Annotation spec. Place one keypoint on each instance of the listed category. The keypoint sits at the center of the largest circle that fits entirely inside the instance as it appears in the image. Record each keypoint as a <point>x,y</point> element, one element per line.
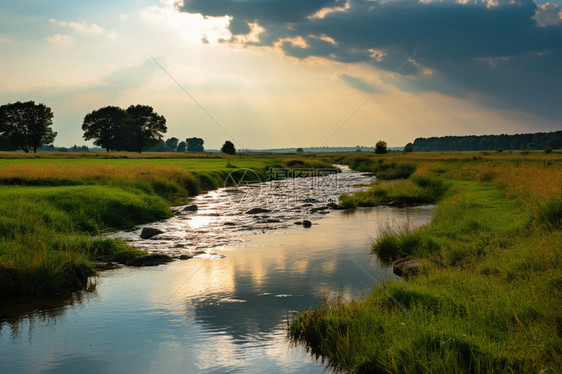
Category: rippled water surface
<point>224,310</point>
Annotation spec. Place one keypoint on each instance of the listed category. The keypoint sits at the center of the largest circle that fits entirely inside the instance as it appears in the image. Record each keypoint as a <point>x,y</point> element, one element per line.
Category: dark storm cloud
<point>496,50</point>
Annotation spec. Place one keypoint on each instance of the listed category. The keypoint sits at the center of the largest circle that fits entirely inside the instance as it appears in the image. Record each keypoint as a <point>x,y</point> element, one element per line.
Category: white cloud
<point>4,40</point>
<point>81,27</point>
<point>548,14</point>
<point>60,39</point>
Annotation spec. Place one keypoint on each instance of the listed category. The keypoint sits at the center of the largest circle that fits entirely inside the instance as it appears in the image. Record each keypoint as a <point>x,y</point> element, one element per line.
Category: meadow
<point>55,210</point>
<point>488,296</point>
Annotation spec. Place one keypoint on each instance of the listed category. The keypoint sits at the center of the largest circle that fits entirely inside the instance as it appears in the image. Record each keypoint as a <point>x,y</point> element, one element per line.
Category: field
<point>55,210</point>
<point>488,296</point>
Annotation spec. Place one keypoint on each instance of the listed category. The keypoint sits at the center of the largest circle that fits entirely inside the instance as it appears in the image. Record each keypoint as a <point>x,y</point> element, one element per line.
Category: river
<point>226,308</point>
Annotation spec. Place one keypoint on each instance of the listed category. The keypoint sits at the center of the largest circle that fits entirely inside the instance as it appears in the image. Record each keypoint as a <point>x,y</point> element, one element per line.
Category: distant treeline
<point>540,140</point>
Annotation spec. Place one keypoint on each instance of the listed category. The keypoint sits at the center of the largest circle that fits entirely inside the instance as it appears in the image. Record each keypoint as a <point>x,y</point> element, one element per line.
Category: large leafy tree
<point>195,145</point>
<point>171,144</point>
<point>228,148</point>
<point>116,129</point>
<point>26,125</point>
<point>106,127</point>
<point>144,127</point>
<point>181,147</point>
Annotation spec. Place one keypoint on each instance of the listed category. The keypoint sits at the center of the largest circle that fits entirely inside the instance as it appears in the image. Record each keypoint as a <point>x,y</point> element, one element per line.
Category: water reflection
<point>212,315</point>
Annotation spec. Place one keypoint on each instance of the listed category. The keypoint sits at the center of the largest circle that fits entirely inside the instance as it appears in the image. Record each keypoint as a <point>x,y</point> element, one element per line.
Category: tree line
<point>535,141</point>
<point>27,126</point>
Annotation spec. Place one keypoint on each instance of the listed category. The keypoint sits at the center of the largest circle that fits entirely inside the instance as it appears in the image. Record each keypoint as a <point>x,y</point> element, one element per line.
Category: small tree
<point>300,150</point>
<point>228,148</point>
<point>195,145</point>
<point>26,125</point>
<point>181,147</point>
<point>548,149</point>
<point>171,144</point>
<point>380,147</point>
<point>409,147</point>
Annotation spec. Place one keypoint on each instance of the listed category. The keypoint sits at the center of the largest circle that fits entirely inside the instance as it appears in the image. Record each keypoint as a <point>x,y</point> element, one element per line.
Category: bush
<point>549,212</point>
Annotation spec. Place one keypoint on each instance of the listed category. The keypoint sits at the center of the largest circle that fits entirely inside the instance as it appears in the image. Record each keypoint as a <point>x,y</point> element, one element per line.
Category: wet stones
<point>149,232</point>
<point>150,260</point>
<point>258,210</point>
<point>191,208</point>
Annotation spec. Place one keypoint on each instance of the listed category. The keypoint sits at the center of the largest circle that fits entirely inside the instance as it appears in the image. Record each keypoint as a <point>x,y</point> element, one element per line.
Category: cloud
<point>548,14</point>
<point>358,83</point>
<point>81,27</point>
<point>505,52</point>
<point>59,39</point>
<point>4,40</point>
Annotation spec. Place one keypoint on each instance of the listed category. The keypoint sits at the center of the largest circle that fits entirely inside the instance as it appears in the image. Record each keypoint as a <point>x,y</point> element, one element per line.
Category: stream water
<point>225,309</point>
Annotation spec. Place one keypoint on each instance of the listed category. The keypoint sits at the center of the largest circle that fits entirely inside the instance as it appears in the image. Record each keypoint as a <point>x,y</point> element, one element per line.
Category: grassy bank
<point>488,295</point>
<point>53,211</point>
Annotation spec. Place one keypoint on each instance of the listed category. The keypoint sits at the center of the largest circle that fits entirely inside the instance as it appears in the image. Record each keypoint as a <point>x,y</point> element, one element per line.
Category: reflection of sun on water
<point>198,221</point>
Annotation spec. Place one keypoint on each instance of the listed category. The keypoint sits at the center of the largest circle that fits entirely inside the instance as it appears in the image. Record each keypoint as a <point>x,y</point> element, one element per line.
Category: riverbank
<point>54,210</point>
<point>487,296</point>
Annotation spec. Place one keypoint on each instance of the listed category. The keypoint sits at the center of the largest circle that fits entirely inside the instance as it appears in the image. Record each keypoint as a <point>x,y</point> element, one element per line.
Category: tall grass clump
<point>417,190</point>
<point>549,212</point>
<point>489,295</point>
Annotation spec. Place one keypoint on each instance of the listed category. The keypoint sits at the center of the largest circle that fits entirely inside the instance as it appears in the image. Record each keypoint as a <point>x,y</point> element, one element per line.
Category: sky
<point>292,73</point>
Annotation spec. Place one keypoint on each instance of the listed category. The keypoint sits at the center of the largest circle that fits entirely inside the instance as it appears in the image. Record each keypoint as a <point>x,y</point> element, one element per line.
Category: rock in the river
<point>190,208</point>
<point>149,232</point>
<point>150,260</point>
<point>258,210</point>
<point>306,223</point>
<point>318,209</point>
<point>334,206</point>
<point>184,257</point>
<point>405,267</point>
<point>229,224</point>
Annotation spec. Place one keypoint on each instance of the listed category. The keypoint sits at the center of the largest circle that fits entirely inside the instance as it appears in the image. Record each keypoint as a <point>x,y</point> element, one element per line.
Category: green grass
<point>417,190</point>
<point>54,210</point>
<point>487,299</point>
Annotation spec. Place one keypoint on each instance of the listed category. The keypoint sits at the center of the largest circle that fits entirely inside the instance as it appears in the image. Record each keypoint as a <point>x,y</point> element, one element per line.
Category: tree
<point>106,127</point>
<point>380,147</point>
<point>195,145</point>
<point>300,150</point>
<point>115,129</point>
<point>158,147</point>
<point>143,127</point>
<point>6,144</point>
<point>26,125</point>
<point>181,147</point>
<point>409,147</point>
<point>228,148</point>
<point>171,144</point>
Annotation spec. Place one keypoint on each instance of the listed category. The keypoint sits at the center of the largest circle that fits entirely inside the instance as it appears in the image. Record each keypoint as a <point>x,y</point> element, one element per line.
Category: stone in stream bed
<point>151,259</point>
<point>191,208</point>
<point>149,232</point>
<point>334,206</point>
<point>258,210</point>
<point>405,267</point>
<point>306,224</point>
